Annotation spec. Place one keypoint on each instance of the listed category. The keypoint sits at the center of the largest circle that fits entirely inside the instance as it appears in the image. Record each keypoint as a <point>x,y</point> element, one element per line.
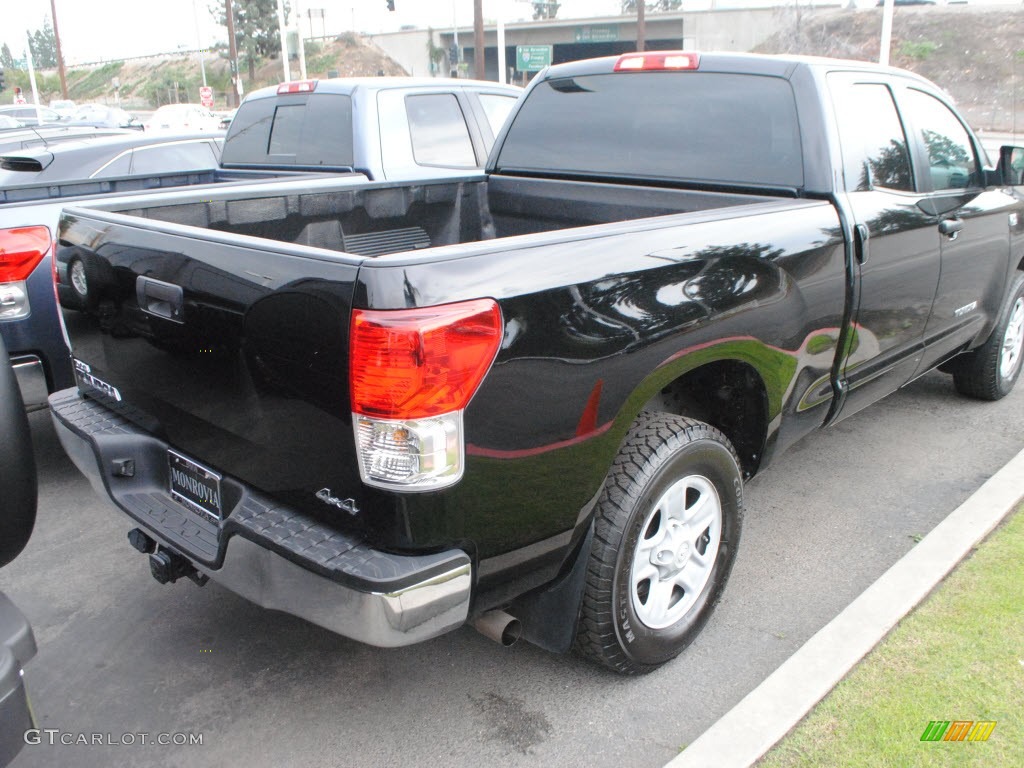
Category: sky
<point>95,30</point>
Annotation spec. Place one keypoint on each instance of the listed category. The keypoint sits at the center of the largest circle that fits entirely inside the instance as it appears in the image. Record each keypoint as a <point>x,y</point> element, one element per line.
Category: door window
<point>951,160</point>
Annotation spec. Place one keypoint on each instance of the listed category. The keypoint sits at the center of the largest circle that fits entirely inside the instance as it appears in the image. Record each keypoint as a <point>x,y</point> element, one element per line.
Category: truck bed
<point>379,219</point>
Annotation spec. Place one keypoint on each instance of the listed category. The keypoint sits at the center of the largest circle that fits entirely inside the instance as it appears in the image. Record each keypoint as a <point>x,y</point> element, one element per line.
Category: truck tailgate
<point>226,350</point>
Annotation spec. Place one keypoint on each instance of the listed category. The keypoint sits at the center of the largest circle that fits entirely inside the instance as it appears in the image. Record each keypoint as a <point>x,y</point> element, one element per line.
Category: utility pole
<point>478,40</point>
<point>641,24</point>
<point>60,56</point>
<point>236,76</point>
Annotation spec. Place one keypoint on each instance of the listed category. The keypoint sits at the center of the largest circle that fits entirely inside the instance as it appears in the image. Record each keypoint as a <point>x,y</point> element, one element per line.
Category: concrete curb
<point>771,710</point>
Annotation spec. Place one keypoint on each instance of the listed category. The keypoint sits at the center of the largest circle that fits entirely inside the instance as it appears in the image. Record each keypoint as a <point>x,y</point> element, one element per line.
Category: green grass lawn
<point>958,656</point>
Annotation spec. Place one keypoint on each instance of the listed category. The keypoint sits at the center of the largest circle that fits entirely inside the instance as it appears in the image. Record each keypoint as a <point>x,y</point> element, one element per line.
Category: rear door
<point>897,252</point>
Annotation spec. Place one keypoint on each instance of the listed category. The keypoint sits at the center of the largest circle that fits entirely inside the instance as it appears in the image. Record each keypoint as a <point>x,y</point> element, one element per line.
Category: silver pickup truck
<point>384,129</point>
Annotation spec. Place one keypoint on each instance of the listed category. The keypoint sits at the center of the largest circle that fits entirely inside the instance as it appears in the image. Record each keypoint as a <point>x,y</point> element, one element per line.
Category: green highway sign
<point>532,58</point>
<point>596,33</point>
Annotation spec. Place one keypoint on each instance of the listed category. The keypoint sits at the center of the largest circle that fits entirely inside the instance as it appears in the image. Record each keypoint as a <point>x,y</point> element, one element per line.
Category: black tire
<point>990,371</point>
<point>662,453</point>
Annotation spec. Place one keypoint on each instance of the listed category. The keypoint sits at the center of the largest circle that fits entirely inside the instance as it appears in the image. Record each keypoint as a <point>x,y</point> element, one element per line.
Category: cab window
<point>439,132</point>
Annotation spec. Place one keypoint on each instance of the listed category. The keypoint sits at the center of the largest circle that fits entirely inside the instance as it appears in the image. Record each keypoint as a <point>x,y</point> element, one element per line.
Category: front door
<point>897,265</point>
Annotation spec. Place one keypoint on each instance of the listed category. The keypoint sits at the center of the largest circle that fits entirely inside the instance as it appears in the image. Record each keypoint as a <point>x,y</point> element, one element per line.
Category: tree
<point>43,44</point>
<point>6,59</point>
<point>544,10</point>
<point>256,28</point>
<point>629,6</point>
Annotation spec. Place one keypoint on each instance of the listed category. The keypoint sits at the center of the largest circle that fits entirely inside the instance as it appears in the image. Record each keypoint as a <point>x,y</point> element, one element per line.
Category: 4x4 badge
<point>349,505</point>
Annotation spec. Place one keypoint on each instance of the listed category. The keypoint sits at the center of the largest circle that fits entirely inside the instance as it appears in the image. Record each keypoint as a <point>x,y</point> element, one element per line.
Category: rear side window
<point>303,130</point>
<point>873,143</point>
<point>693,126</point>
<point>439,132</point>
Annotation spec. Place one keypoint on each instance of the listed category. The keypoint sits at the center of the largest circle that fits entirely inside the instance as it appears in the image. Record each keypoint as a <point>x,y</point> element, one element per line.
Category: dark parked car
<point>102,116</point>
<point>125,154</point>
<point>21,137</point>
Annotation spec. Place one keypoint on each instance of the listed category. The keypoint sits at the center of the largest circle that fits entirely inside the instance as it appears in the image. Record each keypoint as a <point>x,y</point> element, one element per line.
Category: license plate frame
<point>194,486</point>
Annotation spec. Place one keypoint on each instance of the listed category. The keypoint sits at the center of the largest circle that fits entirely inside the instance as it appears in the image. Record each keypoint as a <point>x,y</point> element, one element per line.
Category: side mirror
<point>1011,166</point>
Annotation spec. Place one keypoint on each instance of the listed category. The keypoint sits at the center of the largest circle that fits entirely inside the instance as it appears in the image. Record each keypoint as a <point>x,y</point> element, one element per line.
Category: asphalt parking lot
<point>120,655</point>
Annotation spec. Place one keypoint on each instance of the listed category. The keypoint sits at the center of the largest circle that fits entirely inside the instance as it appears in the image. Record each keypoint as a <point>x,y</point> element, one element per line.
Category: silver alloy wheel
<point>676,552</point>
<point>78,281</point>
<point>1013,341</point>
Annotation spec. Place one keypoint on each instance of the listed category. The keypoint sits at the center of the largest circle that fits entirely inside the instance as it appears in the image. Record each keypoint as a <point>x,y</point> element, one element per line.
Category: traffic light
<point>391,5</point>
<point>1,79</point>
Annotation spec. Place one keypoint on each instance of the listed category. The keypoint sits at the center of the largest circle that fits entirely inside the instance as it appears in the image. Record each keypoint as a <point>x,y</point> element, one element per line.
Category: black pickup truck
<point>531,401</point>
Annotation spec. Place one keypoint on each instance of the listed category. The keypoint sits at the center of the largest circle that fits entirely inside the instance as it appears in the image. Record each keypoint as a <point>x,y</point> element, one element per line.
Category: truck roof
<point>781,65</point>
<point>348,85</point>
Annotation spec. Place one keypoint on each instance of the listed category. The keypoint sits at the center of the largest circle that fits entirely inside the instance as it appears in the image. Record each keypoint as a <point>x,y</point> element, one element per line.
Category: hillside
<point>148,82</point>
<point>977,54</point>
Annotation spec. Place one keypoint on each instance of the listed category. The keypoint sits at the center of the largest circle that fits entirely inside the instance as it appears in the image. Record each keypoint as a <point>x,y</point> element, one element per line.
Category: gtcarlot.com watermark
<point>55,736</point>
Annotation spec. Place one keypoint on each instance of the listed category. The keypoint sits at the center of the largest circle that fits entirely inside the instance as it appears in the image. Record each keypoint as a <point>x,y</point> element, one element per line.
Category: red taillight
<point>298,86</point>
<point>21,250</point>
<point>416,363</point>
<point>657,60</point>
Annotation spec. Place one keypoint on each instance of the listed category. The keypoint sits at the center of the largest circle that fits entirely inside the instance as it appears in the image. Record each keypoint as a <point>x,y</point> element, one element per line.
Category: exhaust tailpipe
<point>499,627</point>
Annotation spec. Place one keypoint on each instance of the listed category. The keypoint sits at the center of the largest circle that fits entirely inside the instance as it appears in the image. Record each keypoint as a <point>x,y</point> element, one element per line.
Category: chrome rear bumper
<point>274,556</point>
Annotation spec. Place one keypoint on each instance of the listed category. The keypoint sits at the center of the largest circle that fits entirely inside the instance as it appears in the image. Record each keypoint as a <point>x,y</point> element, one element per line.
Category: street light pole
<point>284,40</point>
<point>641,25</point>
<point>199,42</point>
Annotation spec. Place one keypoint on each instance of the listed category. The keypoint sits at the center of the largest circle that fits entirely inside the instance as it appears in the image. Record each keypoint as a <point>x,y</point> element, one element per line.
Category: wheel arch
<point>733,393</point>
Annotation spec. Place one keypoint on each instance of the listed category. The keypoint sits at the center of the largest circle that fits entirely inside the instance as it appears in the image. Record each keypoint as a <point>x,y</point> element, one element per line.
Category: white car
<point>65,107</point>
<point>183,117</point>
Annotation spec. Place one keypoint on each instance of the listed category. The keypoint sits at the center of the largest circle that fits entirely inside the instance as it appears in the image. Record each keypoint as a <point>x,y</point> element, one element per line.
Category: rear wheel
<point>990,371</point>
<point>667,526</point>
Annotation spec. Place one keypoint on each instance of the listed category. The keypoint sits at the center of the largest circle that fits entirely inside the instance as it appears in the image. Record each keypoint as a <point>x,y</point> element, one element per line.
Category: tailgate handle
<point>161,299</point>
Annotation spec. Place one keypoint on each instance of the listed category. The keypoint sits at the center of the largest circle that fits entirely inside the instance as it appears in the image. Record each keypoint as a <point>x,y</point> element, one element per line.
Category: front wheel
<point>667,526</point>
<point>990,371</point>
